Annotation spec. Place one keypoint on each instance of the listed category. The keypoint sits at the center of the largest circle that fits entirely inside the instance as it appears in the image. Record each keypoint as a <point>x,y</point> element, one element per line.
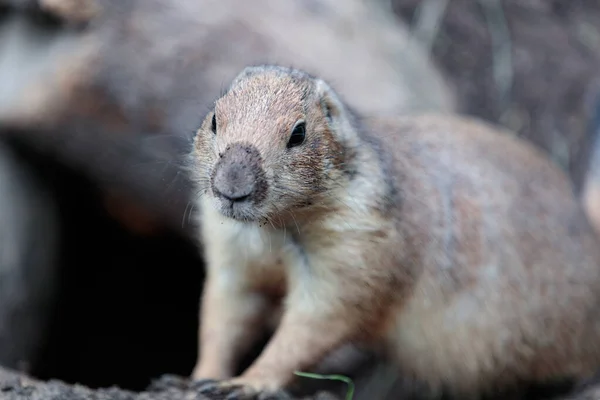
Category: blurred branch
<point>501,49</point>
<point>387,5</point>
<point>427,21</point>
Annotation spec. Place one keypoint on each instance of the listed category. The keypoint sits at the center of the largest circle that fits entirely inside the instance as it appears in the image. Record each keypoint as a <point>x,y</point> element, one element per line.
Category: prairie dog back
<point>510,266</point>
<point>459,248</point>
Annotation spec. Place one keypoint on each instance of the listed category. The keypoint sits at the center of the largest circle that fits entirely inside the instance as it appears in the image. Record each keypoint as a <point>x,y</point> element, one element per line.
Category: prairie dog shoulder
<point>461,248</point>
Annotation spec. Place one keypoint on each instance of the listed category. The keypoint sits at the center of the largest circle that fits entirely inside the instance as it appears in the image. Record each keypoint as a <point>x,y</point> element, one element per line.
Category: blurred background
<point>100,273</point>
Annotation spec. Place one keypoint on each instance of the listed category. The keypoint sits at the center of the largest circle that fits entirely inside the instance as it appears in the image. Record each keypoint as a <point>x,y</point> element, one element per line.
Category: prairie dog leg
<point>315,322</point>
<point>232,316</point>
<point>301,341</point>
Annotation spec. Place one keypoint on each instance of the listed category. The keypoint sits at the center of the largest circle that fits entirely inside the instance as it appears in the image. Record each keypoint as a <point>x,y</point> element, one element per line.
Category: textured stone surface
<point>14,386</point>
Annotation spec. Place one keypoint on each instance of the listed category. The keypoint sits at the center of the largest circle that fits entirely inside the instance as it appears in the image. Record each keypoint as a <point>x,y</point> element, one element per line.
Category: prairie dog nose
<point>237,173</point>
<point>234,182</point>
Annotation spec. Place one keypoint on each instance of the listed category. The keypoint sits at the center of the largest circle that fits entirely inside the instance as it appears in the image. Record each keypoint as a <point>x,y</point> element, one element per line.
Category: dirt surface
<point>14,386</point>
<point>546,57</point>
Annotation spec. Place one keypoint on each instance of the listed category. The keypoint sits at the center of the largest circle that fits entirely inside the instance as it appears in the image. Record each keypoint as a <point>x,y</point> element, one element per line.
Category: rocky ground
<point>14,386</point>
<point>19,387</point>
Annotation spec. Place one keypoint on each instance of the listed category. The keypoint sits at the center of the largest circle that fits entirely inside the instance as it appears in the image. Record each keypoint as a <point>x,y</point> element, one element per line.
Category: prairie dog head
<point>277,141</point>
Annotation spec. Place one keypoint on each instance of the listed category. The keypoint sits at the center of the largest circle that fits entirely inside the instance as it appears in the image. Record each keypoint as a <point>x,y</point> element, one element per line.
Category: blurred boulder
<point>120,94</point>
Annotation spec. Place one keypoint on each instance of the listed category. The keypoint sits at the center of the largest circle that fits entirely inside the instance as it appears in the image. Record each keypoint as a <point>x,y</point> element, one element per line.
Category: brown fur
<point>458,246</point>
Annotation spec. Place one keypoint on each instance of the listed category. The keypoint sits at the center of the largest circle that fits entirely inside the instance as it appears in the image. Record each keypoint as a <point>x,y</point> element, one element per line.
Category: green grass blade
<point>348,381</point>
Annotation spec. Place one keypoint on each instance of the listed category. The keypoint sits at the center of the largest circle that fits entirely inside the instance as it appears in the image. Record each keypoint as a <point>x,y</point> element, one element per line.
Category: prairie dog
<point>458,248</point>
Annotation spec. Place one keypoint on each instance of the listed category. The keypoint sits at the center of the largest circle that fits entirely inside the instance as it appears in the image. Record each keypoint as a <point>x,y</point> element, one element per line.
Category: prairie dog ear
<point>330,102</point>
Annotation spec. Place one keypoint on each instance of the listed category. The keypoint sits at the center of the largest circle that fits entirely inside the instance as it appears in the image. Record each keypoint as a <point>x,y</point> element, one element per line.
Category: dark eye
<point>298,134</point>
<point>214,123</point>
<point>328,111</point>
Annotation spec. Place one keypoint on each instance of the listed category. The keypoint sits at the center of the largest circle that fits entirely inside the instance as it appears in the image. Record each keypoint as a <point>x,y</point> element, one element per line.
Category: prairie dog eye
<point>213,126</point>
<point>298,134</point>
